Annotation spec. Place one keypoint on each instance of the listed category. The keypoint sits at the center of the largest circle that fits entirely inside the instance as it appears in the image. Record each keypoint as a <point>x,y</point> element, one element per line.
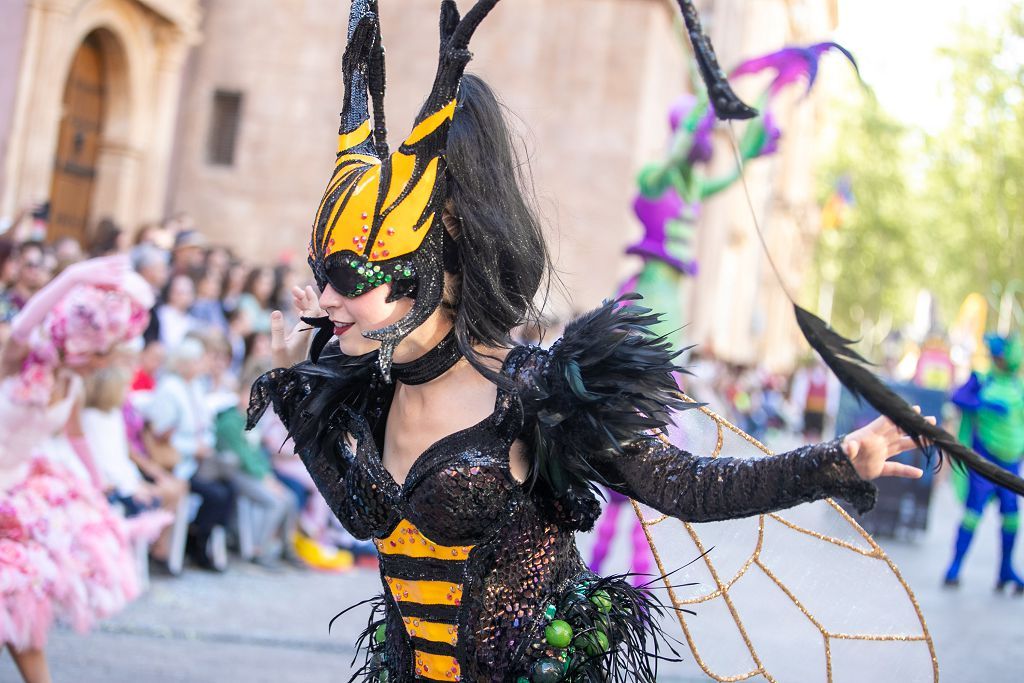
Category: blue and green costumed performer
<point>993,424</point>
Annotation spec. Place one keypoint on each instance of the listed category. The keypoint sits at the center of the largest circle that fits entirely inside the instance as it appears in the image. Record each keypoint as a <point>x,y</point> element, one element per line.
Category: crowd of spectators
<point>165,417</point>
<point>762,402</point>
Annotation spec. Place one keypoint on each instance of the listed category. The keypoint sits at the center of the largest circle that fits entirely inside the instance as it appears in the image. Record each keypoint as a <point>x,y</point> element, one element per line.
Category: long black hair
<point>502,255</point>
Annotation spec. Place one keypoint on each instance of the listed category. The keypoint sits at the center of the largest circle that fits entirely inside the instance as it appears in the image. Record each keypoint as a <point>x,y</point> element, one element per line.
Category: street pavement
<point>253,625</point>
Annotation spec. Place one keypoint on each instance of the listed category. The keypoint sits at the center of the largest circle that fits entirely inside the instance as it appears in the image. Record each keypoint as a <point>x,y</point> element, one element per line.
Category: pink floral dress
<point>64,554</point>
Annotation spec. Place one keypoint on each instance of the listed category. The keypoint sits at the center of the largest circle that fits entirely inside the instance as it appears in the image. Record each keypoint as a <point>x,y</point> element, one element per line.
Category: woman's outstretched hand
<point>870,448</point>
<point>105,271</point>
<point>292,348</point>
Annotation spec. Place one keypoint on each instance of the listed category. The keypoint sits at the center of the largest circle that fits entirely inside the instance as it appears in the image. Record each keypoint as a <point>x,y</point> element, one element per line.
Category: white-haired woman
<point>179,414</point>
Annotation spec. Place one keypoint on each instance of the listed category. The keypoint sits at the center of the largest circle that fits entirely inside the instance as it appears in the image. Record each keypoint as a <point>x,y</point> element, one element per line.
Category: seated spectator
<point>188,255</point>
<point>8,273</point>
<point>105,431</point>
<point>8,263</point>
<point>238,330</point>
<point>34,268</point>
<point>257,351</point>
<point>67,251</point>
<point>233,286</point>
<point>177,412</point>
<point>254,479</point>
<point>108,239</point>
<point>216,263</point>
<point>220,377</point>
<point>257,299</point>
<point>174,318</point>
<point>315,514</point>
<point>151,263</point>
<point>169,489</point>
<point>207,309</point>
<point>150,361</point>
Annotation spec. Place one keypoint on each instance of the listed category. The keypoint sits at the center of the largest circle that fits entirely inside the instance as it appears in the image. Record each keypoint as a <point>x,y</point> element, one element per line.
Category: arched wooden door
<point>81,127</point>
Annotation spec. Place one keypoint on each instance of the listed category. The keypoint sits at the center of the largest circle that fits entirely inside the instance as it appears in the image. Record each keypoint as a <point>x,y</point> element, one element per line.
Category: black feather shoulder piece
<point>608,380</point>
<point>317,401</point>
<point>849,367</point>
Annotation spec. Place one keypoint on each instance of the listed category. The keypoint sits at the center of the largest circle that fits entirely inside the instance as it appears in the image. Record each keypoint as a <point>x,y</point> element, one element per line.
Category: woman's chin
<point>353,344</point>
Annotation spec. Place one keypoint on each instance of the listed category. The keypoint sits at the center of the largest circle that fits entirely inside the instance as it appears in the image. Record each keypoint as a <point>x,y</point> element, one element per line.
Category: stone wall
<point>738,308</point>
<point>12,40</point>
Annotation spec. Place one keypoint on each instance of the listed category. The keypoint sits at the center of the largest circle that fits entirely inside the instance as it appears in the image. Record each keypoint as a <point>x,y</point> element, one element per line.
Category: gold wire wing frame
<point>724,585</point>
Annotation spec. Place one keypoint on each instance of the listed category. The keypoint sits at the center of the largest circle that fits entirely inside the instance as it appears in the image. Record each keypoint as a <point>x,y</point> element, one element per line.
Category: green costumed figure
<point>993,424</point>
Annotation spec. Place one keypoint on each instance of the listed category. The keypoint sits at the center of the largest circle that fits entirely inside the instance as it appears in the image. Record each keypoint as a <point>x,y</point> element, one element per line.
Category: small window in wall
<point>227,113</point>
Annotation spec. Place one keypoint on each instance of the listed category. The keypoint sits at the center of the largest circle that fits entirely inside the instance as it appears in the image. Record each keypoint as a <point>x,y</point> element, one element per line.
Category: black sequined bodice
<point>467,557</point>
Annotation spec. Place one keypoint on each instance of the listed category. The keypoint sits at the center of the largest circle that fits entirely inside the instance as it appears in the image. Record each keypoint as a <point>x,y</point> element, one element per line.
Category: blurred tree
<point>943,211</point>
<point>868,256</point>
<point>973,190</point>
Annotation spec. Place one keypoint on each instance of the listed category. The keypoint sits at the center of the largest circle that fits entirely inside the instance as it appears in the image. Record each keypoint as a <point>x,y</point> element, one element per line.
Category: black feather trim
<point>606,382</point>
<point>848,366</point>
<point>324,333</point>
<point>317,400</point>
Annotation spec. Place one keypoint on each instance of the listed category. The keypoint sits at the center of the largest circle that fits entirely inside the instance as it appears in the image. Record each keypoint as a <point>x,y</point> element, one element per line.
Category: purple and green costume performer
<point>669,205</point>
<point>673,190</point>
<point>993,424</point>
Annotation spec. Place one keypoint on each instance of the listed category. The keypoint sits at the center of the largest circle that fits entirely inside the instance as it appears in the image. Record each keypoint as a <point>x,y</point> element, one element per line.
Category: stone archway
<point>137,50</point>
<point>93,120</point>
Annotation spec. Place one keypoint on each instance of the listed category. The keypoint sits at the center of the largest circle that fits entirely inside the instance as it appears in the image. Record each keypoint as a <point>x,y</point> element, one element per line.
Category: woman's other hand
<point>871,447</point>
<point>292,348</point>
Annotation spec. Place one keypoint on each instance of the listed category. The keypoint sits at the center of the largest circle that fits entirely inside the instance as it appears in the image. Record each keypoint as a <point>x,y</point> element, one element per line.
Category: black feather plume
<point>609,379</point>
<point>850,368</point>
<point>324,332</point>
<point>316,400</point>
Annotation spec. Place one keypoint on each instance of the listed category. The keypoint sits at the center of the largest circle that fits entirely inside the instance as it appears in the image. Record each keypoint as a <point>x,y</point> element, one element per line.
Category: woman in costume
<point>468,460</point>
<point>64,555</point>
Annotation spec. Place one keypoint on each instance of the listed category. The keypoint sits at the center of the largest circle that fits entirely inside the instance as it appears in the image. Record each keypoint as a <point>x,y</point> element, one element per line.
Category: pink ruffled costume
<point>64,554</point>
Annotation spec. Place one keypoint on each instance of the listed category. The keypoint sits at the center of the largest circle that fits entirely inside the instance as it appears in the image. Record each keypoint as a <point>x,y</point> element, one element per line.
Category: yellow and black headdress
<point>380,218</point>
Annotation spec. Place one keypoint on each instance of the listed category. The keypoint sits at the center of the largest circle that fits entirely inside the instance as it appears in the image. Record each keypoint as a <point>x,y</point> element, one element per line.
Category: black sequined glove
<point>700,489</point>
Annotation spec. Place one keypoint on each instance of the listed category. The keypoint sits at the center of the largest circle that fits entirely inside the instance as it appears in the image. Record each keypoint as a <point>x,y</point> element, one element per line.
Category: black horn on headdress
<point>727,105</point>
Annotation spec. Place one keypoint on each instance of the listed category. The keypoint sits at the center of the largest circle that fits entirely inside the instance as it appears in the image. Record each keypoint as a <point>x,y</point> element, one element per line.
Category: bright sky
<point>895,43</point>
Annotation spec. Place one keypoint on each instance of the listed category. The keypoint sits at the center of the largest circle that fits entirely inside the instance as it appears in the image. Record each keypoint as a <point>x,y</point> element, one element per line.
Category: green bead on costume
<point>558,634</point>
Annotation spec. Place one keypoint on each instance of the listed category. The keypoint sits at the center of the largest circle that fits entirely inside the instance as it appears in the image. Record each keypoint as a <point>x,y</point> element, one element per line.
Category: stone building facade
<point>227,109</point>
<point>88,103</point>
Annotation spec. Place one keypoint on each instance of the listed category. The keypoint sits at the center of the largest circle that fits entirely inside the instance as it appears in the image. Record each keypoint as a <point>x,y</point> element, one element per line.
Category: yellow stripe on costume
<point>407,540</point>
<point>425,592</point>
<point>431,123</point>
<point>437,667</point>
<point>347,141</point>
<point>432,630</point>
